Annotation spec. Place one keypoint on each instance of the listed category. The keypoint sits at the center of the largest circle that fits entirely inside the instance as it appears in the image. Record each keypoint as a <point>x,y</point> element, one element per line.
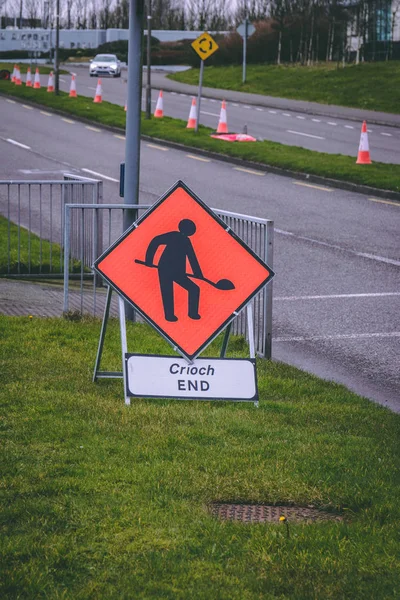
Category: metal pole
<point>56,57</point>
<point>133,116</point>
<point>148,86</point>
<point>132,144</point>
<point>199,96</point>
<point>245,49</point>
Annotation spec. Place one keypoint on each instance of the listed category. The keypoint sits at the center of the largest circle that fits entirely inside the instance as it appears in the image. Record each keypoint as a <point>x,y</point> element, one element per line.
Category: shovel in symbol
<point>221,284</point>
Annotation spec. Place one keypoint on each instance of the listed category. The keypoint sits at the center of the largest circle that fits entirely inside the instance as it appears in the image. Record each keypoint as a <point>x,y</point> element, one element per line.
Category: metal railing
<point>87,295</point>
<point>34,213</point>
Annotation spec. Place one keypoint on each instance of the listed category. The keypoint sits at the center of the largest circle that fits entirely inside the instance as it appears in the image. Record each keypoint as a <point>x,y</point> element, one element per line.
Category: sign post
<point>204,46</point>
<point>245,29</point>
<point>189,275</point>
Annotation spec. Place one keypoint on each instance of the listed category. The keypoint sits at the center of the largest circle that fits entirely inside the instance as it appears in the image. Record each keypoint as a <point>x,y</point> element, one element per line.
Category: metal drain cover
<point>262,513</point>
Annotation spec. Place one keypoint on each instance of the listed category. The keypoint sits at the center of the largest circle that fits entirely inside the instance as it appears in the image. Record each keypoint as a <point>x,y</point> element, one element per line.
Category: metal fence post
<point>67,230</point>
<point>269,256</point>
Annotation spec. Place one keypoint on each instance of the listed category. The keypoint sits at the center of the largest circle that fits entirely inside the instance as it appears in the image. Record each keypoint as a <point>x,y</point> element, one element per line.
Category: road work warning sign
<point>184,270</point>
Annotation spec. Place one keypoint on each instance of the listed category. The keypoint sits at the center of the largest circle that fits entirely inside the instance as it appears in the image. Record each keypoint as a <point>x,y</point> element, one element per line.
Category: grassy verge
<point>44,70</point>
<point>24,252</point>
<point>334,166</point>
<point>103,501</point>
<point>371,86</point>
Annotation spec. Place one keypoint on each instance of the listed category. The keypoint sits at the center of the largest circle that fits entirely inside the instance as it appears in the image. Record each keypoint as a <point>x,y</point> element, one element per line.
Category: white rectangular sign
<point>204,379</point>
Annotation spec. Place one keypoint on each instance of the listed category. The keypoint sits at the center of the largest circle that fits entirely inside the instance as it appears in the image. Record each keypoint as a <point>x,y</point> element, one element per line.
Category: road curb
<point>335,183</point>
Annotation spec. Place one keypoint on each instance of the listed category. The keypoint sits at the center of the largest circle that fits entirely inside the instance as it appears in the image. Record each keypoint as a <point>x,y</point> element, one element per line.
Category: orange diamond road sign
<point>184,270</point>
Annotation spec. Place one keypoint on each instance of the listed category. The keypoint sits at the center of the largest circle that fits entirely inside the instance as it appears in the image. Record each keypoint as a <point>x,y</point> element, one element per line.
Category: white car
<point>105,64</point>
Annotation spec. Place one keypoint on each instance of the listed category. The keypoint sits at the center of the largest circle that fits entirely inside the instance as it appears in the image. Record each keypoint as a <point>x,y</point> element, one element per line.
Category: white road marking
<point>198,158</point>
<point>349,127</point>
<point>310,185</point>
<point>184,95</point>
<point>298,117</point>
<point>203,112</point>
<point>336,296</point>
<point>387,134</point>
<point>246,106</point>
<point>286,115</point>
<point>235,105</point>
<point>369,130</point>
<point>43,112</point>
<point>119,137</point>
<point>157,147</point>
<point>211,100</point>
<point>68,121</point>
<point>63,80</point>
<point>173,93</point>
<point>385,202</point>
<point>383,259</point>
<point>273,112</point>
<point>344,336</point>
<point>317,137</point>
<point>331,123</point>
<point>249,171</point>
<point>260,109</point>
<point>316,120</point>
<point>10,101</point>
<point>18,144</point>
<point>91,88</point>
<point>93,128</point>
<point>27,107</point>
<point>100,175</point>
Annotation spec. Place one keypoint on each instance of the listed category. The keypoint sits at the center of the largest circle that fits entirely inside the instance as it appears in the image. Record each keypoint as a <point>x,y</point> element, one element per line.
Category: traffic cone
<point>14,74</point>
<point>125,107</point>
<point>72,88</point>
<point>222,123</point>
<point>191,124</point>
<point>363,149</point>
<point>29,78</point>
<point>18,77</point>
<point>159,112</point>
<point>50,83</point>
<point>36,82</point>
<point>98,95</point>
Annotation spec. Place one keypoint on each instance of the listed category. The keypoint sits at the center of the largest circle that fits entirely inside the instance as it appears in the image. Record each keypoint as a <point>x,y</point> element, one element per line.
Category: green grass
<point>22,252</point>
<point>33,256</point>
<point>335,166</point>
<point>372,86</point>
<point>99,500</point>
<point>44,70</point>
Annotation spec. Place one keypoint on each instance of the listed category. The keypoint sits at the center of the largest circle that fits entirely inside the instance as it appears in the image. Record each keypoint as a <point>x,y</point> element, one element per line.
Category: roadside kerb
<point>336,183</point>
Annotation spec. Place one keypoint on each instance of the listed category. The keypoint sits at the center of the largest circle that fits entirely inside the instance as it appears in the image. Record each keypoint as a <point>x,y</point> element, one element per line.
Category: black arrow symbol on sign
<point>209,47</point>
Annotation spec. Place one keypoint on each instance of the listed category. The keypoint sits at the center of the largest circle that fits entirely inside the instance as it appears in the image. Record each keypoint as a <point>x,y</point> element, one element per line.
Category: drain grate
<point>262,513</point>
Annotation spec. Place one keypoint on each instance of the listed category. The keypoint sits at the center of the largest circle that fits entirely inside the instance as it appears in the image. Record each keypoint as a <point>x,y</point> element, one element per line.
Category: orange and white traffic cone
<point>125,107</point>
<point>72,88</point>
<point>13,74</point>
<point>36,82</point>
<point>159,112</point>
<point>98,97</point>
<point>222,123</point>
<point>363,157</point>
<point>192,120</point>
<point>28,78</point>
<point>18,77</point>
<point>50,83</point>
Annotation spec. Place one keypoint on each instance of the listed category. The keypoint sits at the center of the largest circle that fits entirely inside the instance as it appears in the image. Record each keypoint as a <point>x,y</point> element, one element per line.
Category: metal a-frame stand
<point>97,374</point>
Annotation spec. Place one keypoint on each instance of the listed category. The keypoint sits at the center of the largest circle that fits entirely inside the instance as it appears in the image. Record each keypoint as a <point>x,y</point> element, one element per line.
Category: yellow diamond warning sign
<point>204,46</point>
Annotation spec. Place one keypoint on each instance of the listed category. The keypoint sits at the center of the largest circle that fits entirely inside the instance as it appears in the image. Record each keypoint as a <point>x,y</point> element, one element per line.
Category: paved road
<point>337,254</point>
<point>321,132</point>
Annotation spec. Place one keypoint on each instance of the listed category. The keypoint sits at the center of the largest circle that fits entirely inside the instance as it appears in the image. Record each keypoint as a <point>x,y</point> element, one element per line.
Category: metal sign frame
<point>98,374</point>
<point>157,327</point>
